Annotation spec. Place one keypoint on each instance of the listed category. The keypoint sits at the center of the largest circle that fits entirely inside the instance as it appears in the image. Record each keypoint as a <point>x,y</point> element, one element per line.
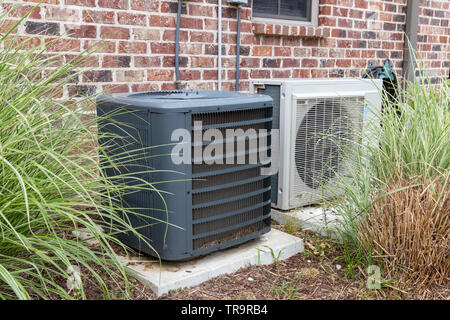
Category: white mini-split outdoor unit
<point>317,119</point>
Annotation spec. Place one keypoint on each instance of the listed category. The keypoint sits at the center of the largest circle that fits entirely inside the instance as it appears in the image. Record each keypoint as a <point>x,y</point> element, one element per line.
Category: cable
<point>238,45</point>
<point>219,46</point>
<point>177,46</point>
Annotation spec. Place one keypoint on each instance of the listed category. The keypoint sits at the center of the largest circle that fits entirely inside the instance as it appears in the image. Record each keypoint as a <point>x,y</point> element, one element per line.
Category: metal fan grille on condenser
<point>325,127</point>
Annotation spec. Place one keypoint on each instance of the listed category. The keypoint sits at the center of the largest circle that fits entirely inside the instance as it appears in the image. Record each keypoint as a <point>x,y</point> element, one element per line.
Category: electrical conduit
<point>177,46</point>
<point>238,45</point>
<point>219,46</point>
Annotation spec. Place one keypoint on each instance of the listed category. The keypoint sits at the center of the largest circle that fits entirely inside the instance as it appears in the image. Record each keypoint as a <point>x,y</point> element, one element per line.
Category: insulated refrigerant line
<point>219,47</point>
<point>238,45</point>
<point>177,46</point>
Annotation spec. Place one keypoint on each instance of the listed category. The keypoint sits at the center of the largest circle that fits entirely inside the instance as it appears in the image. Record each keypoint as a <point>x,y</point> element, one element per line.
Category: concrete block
<point>311,218</point>
<point>177,275</point>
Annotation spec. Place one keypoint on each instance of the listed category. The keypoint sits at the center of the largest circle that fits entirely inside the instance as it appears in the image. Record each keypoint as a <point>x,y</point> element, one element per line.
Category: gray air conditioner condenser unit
<point>211,204</point>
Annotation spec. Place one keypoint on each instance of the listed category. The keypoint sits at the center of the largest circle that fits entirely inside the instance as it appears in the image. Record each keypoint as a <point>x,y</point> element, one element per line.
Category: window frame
<point>310,20</point>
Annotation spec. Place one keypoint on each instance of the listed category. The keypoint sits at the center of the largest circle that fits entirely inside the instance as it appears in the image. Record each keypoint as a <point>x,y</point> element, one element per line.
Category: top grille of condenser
<point>230,201</point>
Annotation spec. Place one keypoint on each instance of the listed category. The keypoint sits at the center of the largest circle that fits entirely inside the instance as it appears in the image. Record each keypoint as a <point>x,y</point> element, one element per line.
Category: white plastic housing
<point>360,100</point>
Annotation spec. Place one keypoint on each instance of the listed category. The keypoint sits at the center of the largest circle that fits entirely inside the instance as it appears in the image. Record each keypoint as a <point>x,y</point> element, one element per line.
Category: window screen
<point>283,9</point>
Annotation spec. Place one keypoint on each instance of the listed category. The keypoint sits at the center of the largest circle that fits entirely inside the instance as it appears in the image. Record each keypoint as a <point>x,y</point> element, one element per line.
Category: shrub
<point>395,210</point>
<point>51,183</point>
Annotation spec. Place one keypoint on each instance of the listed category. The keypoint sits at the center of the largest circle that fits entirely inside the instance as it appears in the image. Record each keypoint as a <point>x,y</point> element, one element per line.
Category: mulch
<point>319,273</point>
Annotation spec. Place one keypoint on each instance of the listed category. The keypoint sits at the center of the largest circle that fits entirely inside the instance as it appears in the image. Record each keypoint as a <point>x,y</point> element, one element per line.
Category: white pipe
<point>219,47</point>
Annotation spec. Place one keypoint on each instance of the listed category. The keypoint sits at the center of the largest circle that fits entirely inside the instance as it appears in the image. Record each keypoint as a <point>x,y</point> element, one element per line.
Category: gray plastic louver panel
<point>219,211</point>
<point>214,205</point>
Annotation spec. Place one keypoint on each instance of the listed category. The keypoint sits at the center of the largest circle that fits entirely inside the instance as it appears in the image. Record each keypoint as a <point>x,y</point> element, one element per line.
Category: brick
<point>115,88</point>
<point>81,90</point>
<point>169,61</point>
<point>263,51</point>
<point>61,44</point>
<point>84,3</point>
<point>98,76</point>
<point>191,48</point>
<point>146,34</point>
<point>345,23</point>
<point>172,7</point>
<point>146,62</point>
<point>162,21</point>
<point>290,63</point>
<point>103,17</point>
<point>84,61</point>
<point>369,35</point>
<point>210,75</point>
<point>163,48</point>
<point>20,10</point>
<point>271,63</point>
<point>190,75</point>
<point>385,16</point>
<point>282,51</point>
<point>114,4</point>
<point>202,62</point>
<point>318,73</point>
<point>356,14</point>
<point>42,28</point>
<point>62,14</point>
<point>114,33</point>
<point>132,19</point>
<point>327,21</point>
<point>211,49</point>
<point>171,86</point>
<point>199,36</point>
<point>281,73</point>
<point>390,7</point>
<point>141,87</point>
<point>131,47</point>
<point>327,63</point>
<point>325,10</point>
<point>389,26</point>
<point>191,23</point>
<point>310,42</point>
<point>116,61</point>
<point>100,46</point>
<point>260,74</point>
<point>340,12</point>
<point>142,5</point>
<point>201,10</point>
<point>339,33</point>
<point>81,31</point>
<point>363,4</point>
<point>301,73</point>
<point>309,63</point>
<point>130,76</point>
<point>343,63</point>
<point>169,35</point>
<point>160,75</point>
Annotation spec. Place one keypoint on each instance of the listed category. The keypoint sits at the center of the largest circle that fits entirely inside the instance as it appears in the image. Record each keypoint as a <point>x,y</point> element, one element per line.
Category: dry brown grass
<point>409,230</point>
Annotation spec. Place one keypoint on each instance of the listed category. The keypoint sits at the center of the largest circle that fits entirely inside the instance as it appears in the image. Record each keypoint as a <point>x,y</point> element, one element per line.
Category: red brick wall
<point>138,49</point>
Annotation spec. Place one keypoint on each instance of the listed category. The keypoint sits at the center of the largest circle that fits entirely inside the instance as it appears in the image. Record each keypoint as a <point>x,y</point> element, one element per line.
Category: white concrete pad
<point>176,275</point>
<point>312,218</point>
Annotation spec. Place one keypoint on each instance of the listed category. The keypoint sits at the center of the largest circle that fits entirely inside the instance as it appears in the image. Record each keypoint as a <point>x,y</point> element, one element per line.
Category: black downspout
<point>238,45</point>
<point>410,45</point>
<point>177,47</point>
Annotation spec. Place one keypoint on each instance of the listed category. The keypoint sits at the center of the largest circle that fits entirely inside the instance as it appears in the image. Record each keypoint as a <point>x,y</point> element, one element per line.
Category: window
<point>298,10</point>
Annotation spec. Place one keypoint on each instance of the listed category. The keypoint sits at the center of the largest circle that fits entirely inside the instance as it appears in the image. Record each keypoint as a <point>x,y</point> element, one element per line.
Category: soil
<point>319,273</point>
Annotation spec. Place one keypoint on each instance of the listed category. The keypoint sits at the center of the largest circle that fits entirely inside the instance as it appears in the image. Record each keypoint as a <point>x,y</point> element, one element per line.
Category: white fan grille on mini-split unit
<point>325,128</point>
